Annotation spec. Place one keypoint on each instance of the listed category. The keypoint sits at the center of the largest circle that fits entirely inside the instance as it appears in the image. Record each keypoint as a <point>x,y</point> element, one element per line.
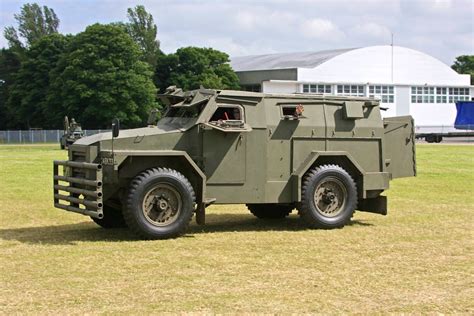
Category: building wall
<point>280,87</point>
<point>402,101</point>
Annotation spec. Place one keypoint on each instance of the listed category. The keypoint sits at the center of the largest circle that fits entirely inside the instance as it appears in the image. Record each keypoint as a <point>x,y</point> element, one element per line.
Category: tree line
<point>106,71</point>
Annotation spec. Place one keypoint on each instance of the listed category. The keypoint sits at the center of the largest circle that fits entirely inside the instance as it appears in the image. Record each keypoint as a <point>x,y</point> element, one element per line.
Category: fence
<point>53,136</point>
<point>37,136</point>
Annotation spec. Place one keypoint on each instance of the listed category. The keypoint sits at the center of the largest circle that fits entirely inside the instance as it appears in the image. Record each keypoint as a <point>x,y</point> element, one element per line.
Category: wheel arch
<point>136,162</point>
<point>340,158</point>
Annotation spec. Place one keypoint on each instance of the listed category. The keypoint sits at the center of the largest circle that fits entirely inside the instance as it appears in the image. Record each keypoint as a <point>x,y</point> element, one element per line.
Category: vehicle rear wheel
<point>270,211</point>
<point>113,218</point>
<point>159,204</point>
<point>328,197</point>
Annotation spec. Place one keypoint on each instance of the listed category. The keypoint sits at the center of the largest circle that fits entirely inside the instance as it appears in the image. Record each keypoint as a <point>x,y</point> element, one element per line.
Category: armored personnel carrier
<point>72,132</point>
<point>326,156</point>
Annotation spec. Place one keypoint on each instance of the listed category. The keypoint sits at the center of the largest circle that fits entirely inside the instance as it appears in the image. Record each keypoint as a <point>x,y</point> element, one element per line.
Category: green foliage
<point>142,29</point>
<point>34,22</point>
<point>28,94</point>
<point>192,67</point>
<point>465,65</point>
<point>101,77</point>
<point>9,65</point>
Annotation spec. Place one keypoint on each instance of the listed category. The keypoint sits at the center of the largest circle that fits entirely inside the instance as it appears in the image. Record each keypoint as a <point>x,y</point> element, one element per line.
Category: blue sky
<point>441,28</point>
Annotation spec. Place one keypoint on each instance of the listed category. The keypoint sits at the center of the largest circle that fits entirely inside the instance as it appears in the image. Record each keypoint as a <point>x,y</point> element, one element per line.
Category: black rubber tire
<point>137,191</point>
<point>270,211</point>
<point>113,218</point>
<point>307,208</point>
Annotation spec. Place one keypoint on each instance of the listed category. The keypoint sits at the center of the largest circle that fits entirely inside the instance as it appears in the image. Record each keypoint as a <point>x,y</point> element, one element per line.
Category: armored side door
<point>291,139</point>
<point>224,140</point>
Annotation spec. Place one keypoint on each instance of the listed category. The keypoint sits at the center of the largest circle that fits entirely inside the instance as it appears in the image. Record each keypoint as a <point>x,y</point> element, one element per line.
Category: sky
<point>441,28</point>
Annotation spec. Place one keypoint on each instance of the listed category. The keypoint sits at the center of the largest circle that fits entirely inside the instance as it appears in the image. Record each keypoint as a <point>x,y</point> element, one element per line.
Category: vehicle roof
<point>303,96</point>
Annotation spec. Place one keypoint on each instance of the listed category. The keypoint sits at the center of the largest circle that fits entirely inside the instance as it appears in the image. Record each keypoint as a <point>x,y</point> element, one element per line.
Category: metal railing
<point>38,136</point>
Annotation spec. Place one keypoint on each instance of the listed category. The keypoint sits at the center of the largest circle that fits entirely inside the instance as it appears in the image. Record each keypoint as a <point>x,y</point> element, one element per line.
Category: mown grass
<point>418,259</point>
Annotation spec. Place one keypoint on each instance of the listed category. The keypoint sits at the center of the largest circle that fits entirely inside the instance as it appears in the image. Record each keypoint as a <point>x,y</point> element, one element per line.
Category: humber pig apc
<point>325,156</point>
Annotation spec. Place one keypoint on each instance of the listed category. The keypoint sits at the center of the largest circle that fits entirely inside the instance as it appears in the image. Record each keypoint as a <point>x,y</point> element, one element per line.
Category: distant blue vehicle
<point>465,115</point>
<point>464,121</point>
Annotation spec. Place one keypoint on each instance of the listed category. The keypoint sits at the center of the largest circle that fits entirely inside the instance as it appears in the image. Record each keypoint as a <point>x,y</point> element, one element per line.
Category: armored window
<point>229,118</point>
<point>185,111</point>
<point>291,112</point>
<point>225,113</point>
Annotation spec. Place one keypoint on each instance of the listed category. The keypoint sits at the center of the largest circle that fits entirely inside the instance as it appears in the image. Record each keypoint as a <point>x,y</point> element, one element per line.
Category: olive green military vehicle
<point>326,156</point>
<point>72,132</point>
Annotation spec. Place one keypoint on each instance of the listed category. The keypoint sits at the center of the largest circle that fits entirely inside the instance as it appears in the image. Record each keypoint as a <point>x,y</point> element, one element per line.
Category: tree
<point>28,93</point>
<point>143,30</point>
<point>192,67</point>
<point>34,22</point>
<point>465,65</point>
<point>9,66</point>
<point>101,77</point>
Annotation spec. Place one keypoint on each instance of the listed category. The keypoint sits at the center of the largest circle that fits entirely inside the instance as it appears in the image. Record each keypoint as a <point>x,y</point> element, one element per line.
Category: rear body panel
<point>399,146</point>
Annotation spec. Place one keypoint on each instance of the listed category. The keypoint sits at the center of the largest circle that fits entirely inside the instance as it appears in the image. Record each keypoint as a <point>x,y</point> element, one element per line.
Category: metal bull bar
<point>84,194</point>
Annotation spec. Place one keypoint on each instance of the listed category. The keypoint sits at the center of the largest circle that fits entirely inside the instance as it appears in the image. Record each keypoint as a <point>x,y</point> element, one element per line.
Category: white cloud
<point>373,30</point>
<point>321,29</point>
<point>441,4</point>
<point>264,19</point>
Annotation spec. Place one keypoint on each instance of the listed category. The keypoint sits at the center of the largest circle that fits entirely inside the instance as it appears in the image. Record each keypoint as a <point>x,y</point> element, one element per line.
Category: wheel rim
<point>162,205</point>
<point>330,197</point>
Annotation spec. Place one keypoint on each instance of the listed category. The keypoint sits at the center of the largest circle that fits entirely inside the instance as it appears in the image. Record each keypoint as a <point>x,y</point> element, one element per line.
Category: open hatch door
<point>399,146</point>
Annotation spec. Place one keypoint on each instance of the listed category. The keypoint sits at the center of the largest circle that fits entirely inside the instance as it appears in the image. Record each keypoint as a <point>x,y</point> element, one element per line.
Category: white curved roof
<point>371,64</point>
<point>284,60</point>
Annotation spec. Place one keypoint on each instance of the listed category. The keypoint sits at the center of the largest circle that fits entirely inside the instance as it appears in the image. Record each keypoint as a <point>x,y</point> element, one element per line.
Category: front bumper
<point>79,188</point>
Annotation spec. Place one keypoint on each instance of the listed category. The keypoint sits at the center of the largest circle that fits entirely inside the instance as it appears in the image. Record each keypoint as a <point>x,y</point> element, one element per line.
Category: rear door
<point>399,146</point>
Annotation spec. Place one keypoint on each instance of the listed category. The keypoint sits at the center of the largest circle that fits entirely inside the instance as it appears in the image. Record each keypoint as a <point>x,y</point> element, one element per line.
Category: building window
<point>439,94</point>
<point>384,93</point>
<point>422,95</point>
<point>317,88</point>
<point>351,90</point>
<point>458,94</point>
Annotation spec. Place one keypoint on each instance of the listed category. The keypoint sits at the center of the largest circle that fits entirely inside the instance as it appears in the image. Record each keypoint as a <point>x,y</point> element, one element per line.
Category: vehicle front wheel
<point>159,204</point>
<point>328,197</point>
<point>270,211</point>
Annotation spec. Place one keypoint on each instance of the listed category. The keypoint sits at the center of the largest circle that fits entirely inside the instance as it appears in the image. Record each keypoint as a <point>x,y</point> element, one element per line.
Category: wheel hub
<point>329,197</point>
<point>161,205</point>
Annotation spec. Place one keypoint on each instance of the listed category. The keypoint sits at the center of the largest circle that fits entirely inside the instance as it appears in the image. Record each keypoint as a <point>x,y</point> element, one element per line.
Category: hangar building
<point>405,80</point>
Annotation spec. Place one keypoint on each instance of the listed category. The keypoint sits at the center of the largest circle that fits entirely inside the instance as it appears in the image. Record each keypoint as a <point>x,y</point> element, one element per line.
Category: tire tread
<point>304,210</point>
<point>134,186</point>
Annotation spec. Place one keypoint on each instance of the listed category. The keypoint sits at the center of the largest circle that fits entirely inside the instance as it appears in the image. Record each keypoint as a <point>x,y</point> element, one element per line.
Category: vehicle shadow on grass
<point>66,234</point>
<point>244,222</point>
<point>71,234</point>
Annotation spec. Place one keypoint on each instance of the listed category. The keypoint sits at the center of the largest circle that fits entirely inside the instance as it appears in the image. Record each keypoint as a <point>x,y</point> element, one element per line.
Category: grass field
<point>418,259</point>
